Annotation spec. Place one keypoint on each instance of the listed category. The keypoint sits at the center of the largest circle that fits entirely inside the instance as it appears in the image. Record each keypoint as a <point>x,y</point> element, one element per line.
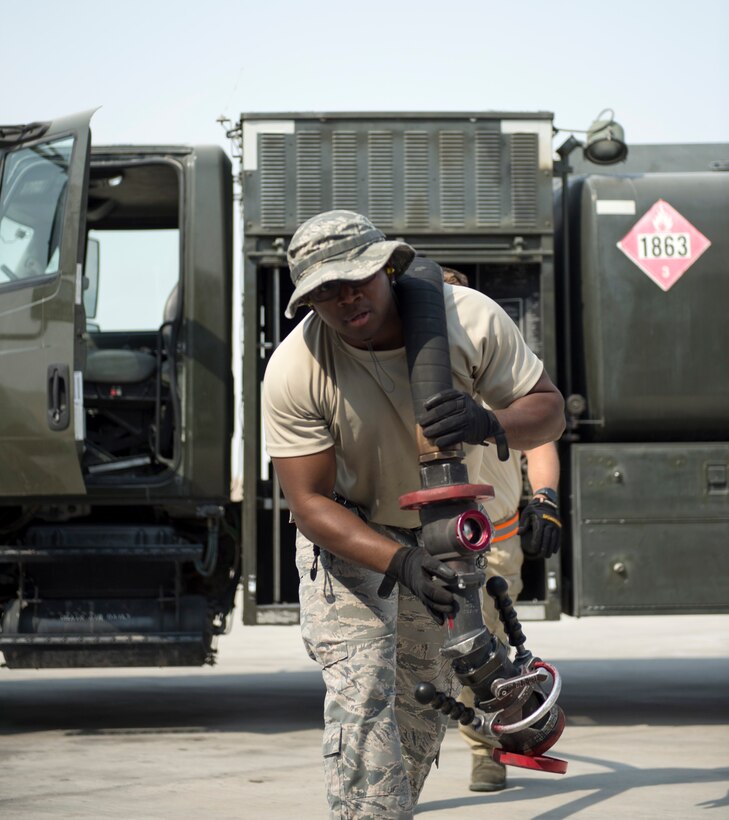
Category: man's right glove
<point>452,416</point>
<point>541,524</point>
<point>417,570</point>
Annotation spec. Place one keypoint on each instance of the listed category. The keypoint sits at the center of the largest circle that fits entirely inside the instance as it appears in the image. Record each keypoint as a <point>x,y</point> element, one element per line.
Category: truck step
<point>150,552</point>
<point>53,542</point>
<point>117,639</point>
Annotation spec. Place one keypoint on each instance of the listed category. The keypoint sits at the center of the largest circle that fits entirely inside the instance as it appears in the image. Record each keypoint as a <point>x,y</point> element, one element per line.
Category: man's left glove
<point>452,416</point>
<point>541,524</point>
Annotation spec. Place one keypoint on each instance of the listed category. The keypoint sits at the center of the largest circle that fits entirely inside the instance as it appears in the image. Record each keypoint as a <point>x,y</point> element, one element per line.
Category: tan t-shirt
<point>320,392</point>
<point>506,478</point>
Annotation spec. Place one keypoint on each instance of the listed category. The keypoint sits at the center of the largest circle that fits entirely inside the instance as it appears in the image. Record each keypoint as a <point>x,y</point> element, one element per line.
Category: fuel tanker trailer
<point>133,506</point>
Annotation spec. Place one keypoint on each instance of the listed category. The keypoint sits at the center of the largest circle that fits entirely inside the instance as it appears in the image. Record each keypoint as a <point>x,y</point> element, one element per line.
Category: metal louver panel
<point>524,169</point>
<point>272,164</point>
<point>380,170</point>
<point>344,170</point>
<point>308,175</point>
<point>488,178</point>
<point>416,179</point>
<point>473,175</point>
<point>452,179</point>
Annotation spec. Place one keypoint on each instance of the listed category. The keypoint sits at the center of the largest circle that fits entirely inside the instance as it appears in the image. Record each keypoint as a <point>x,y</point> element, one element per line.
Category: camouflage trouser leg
<point>504,559</point>
<point>419,659</point>
<point>379,743</point>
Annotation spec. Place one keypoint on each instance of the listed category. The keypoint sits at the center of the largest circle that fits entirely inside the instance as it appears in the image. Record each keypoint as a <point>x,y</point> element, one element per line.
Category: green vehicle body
<point>121,540</point>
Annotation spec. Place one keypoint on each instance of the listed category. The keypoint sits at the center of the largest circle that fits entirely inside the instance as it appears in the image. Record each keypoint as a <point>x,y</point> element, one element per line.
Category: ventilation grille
<point>488,178</point>
<point>452,179</point>
<point>344,170</point>
<point>447,175</point>
<point>308,175</point>
<point>272,162</point>
<point>416,179</point>
<point>380,187</point>
<point>524,168</point>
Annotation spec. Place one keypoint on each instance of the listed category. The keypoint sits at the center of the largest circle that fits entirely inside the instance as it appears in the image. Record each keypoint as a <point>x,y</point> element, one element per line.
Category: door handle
<point>59,407</point>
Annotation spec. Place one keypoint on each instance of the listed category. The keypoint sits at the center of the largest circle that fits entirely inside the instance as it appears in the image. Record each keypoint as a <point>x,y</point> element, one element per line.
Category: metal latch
<point>716,479</point>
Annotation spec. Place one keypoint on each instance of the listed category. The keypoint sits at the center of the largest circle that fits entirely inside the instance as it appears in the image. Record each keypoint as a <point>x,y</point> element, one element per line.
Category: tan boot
<point>486,774</point>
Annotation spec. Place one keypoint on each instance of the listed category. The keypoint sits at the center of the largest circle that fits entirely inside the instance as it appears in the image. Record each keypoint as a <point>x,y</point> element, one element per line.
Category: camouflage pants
<point>504,559</point>
<point>379,742</point>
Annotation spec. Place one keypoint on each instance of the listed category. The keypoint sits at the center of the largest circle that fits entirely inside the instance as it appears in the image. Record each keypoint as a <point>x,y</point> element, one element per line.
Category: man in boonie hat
<point>339,246</point>
<point>341,432</point>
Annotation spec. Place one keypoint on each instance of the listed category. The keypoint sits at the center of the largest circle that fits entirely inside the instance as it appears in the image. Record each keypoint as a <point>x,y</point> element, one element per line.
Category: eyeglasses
<point>331,290</point>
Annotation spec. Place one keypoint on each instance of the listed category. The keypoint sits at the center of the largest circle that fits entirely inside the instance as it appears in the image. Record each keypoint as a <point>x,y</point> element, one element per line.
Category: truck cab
<point>119,544</point>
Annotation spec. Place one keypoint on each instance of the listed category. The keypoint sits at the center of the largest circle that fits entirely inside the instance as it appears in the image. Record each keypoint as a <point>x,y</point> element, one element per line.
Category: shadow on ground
<point>589,789</point>
<point>608,693</point>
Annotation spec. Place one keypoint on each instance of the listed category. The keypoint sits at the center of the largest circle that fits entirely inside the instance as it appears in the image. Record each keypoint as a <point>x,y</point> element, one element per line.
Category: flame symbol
<point>662,221</point>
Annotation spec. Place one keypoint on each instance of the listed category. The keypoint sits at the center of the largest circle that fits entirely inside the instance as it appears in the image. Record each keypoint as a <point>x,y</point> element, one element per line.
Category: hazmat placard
<point>663,244</point>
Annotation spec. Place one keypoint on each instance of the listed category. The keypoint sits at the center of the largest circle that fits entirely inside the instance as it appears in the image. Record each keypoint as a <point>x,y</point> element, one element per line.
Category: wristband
<point>549,494</point>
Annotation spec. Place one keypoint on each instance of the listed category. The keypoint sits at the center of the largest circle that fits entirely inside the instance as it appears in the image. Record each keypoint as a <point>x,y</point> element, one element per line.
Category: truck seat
<point>167,331</point>
<point>119,366</point>
<point>131,400</point>
<point>122,366</point>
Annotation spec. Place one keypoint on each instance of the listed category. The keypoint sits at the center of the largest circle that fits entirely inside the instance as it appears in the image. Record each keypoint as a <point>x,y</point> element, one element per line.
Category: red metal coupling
<point>450,492</point>
<point>474,530</point>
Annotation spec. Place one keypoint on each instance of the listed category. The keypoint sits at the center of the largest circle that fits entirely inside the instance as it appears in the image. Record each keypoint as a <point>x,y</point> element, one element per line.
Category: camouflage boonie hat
<point>339,245</point>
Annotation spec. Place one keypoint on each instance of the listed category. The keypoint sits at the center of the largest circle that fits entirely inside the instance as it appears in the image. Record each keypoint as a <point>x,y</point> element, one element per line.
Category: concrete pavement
<point>647,704</point>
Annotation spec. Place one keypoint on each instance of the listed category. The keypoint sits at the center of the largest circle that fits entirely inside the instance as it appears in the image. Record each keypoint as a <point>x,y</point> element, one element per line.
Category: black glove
<point>541,525</point>
<point>453,416</point>
<point>415,569</point>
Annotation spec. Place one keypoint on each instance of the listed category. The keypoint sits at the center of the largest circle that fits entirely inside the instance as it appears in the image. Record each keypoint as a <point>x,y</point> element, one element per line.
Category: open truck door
<point>43,181</point>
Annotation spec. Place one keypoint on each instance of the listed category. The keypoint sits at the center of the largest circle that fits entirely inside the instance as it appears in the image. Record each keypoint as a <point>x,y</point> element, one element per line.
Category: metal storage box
<point>650,528</point>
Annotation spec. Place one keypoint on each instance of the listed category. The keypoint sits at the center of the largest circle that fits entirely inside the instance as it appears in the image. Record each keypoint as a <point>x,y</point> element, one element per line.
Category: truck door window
<point>32,200</point>
<point>137,272</point>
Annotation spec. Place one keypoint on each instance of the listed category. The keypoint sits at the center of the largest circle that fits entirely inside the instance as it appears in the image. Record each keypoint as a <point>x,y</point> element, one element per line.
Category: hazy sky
<point>164,71</point>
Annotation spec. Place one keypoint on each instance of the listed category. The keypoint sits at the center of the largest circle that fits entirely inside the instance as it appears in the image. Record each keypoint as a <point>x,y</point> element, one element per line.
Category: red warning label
<point>663,244</point>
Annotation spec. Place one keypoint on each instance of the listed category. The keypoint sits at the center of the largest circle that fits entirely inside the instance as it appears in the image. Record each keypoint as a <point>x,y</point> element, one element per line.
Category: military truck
<point>121,542</point>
